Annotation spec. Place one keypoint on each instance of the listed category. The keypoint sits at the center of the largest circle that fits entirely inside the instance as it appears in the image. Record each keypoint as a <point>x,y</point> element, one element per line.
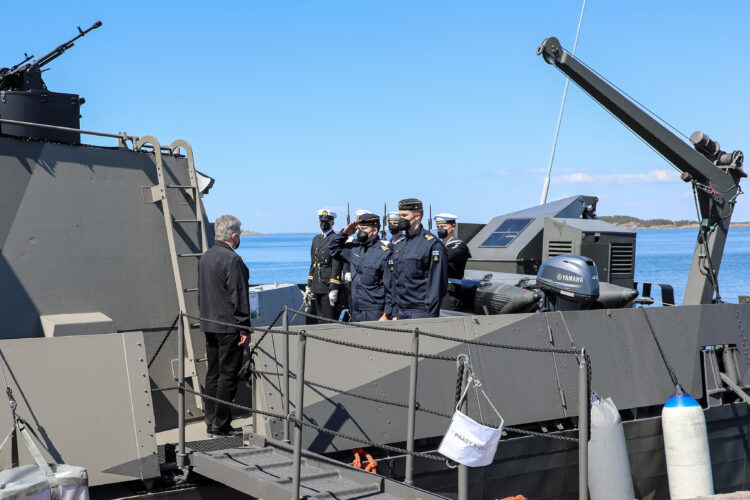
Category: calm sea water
<point>662,256</point>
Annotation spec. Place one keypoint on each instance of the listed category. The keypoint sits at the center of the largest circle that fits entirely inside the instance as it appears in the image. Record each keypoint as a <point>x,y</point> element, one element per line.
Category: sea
<point>662,256</point>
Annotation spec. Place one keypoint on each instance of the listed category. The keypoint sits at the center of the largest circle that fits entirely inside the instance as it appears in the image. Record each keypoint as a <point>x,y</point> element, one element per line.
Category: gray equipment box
<point>520,241</point>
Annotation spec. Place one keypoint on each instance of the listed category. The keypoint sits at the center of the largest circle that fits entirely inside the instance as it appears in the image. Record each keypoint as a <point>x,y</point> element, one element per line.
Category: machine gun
<point>714,174</point>
<point>28,75</point>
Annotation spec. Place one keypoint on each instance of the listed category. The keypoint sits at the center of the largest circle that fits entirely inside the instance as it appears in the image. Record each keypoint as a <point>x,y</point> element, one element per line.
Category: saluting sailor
<point>368,257</point>
<point>324,278</point>
<point>419,266</point>
<point>458,252</point>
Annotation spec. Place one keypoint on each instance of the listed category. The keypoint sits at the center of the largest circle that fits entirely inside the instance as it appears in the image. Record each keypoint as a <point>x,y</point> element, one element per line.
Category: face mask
<point>362,236</point>
<point>403,224</point>
<point>394,229</point>
<point>442,233</point>
<point>237,242</point>
<point>325,225</point>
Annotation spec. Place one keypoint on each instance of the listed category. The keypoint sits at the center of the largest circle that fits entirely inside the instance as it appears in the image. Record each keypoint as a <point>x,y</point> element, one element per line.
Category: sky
<point>294,106</point>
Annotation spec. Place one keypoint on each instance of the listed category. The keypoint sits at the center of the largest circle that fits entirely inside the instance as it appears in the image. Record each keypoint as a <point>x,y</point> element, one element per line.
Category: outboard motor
<point>569,283</point>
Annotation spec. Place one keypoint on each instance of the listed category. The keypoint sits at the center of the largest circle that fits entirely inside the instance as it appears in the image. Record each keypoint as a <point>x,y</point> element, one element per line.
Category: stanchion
<point>285,399</point>
<point>296,468</point>
<point>181,391</point>
<point>463,471</point>
<point>583,429</point>
<point>411,419</point>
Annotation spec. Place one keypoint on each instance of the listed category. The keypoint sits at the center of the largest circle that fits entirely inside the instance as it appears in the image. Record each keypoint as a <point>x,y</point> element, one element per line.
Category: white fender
<point>686,447</point>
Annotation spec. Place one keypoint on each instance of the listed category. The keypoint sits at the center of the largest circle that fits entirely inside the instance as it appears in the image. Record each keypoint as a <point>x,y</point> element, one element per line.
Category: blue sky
<point>292,106</point>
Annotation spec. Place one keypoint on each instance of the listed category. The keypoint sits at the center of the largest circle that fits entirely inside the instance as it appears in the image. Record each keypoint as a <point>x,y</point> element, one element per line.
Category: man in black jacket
<point>223,296</point>
<point>324,278</point>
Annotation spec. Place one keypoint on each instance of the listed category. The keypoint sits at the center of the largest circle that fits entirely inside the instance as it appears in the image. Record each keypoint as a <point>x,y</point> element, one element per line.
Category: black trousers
<point>222,377</point>
<point>322,307</point>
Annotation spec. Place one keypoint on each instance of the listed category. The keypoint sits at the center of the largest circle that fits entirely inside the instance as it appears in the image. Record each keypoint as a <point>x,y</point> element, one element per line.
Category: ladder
<point>180,259</point>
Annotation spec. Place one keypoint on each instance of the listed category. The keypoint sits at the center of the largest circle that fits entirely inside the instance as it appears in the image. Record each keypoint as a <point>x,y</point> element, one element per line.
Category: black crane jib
<point>715,174</point>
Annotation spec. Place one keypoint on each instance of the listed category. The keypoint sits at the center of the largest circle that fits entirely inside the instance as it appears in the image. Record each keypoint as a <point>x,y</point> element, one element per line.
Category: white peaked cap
<point>445,217</point>
<point>325,212</point>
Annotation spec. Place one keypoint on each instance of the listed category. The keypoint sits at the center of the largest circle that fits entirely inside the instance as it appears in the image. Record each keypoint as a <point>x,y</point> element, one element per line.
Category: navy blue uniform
<point>370,296</point>
<point>420,275</point>
<point>324,276</point>
<point>458,254</point>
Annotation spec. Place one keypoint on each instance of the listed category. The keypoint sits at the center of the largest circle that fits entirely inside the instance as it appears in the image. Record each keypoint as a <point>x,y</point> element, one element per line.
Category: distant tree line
<point>626,219</point>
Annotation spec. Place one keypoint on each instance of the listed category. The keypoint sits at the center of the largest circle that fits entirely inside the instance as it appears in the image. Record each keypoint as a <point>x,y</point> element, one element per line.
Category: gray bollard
<point>296,468</point>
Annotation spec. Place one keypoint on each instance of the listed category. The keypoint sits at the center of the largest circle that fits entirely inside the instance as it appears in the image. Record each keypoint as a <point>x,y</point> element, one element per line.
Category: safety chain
<point>250,329</point>
<point>265,332</point>
<point>445,337</point>
<point>411,354</point>
<point>338,342</point>
<point>163,341</point>
<point>292,419</point>
<point>418,407</point>
<point>378,349</point>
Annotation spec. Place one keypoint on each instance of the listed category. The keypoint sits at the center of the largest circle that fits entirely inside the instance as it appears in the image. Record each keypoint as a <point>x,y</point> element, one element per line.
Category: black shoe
<point>230,431</point>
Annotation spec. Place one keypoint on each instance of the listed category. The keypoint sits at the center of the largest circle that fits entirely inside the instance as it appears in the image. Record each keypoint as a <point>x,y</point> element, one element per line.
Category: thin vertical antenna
<point>545,189</point>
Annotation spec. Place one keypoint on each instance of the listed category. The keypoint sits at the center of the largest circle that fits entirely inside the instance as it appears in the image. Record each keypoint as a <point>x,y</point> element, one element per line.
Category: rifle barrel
<point>54,54</point>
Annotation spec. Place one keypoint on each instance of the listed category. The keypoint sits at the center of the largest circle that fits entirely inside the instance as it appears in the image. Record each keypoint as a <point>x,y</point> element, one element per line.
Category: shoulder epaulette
<point>384,248</point>
<point>429,237</point>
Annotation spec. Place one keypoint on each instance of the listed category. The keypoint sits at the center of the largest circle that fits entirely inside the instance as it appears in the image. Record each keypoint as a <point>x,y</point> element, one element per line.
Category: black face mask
<point>362,236</point>
<point>394,229</point>
<point>403,224</point>
<point>325,225</point>
<point>442,233</point>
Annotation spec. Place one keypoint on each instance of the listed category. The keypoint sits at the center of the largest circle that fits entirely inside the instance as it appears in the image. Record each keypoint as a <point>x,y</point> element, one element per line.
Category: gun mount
<point>24,97</point>
<point>714,174</point>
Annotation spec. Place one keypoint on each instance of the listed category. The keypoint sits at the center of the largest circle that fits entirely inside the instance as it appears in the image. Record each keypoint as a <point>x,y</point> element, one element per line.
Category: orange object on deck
<point>370,465</point>
<point>517,497</point>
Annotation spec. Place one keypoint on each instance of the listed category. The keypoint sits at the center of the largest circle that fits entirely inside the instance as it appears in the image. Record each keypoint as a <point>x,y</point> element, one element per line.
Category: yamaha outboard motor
<point>569,283</point>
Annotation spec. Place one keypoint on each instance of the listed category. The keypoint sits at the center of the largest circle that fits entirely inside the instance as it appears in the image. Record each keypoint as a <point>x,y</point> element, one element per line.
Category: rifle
<point>348,217</point>
<point>430,221</point>
<point>28,75</point>
<point>385,222</point>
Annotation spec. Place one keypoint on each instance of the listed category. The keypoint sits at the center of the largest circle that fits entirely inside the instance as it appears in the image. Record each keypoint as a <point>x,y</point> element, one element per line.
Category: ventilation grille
<point>621,259</point>
<point>559,248</point>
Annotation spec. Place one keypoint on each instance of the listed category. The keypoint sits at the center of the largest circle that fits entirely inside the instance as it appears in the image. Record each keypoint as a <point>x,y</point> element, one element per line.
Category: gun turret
<point>25,98</point>
<point>28,75</point>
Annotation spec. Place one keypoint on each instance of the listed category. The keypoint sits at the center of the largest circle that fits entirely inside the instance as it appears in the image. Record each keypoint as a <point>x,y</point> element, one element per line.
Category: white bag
<point>468,442</point>
<point>41,481</point>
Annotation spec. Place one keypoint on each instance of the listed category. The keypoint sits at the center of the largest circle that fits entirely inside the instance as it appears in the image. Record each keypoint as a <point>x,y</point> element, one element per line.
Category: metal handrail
<point>181,457</point>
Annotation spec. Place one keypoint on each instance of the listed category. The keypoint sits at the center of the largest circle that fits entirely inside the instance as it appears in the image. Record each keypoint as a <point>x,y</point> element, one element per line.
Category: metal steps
<point>264,469</point>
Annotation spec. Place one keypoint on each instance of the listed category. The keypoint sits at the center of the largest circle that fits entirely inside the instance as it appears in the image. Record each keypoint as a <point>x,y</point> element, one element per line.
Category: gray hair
<point>225,226</point>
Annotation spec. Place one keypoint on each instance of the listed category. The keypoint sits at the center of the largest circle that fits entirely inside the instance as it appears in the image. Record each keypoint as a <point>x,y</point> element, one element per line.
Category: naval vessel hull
<point>532,390</point>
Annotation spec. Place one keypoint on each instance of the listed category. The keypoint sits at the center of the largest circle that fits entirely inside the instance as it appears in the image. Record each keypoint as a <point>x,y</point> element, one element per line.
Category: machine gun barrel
<point>57,52</point>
